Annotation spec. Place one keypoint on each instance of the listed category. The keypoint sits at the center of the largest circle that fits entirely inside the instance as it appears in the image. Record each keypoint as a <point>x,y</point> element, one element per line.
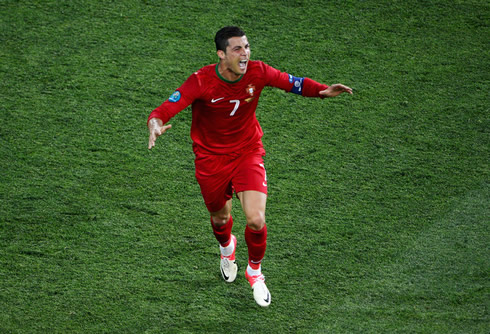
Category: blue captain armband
<point>297,84</point>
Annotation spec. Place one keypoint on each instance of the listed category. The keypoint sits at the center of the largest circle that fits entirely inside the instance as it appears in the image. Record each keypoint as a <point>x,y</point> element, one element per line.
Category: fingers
<point>339,89</point>
<point>335,90</point>
<point>342,88</point>
<point>151,142</point>
<point>155,133</point>
<point>347,90</point>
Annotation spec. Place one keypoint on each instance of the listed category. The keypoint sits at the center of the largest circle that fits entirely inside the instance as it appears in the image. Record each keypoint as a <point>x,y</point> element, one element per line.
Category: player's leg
<point>250,182</point>
<point>214,180</point>
<point>253,204</point>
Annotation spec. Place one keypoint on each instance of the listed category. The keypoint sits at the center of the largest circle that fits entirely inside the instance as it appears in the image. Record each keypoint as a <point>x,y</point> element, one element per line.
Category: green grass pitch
<point>378,210</point>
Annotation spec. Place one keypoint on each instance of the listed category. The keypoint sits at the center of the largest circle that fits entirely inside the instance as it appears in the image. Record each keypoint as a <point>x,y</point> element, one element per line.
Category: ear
<point>221,54</point>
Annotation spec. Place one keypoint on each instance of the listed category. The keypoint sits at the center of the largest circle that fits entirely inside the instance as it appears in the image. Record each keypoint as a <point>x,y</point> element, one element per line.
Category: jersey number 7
<point>237,104</point>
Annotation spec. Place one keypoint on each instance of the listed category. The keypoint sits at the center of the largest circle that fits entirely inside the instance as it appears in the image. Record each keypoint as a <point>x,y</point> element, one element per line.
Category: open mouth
<point>243,64</point>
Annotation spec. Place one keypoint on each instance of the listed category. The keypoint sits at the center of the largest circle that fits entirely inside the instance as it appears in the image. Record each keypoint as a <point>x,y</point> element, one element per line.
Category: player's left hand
<point>335,90</point>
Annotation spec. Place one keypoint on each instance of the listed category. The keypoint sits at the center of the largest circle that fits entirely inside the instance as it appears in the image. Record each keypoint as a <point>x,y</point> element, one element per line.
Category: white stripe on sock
<point>228,250</point>
<point>253,272</point>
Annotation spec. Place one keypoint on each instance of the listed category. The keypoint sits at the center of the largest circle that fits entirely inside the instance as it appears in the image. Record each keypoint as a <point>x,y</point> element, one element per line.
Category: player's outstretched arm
<point>335,90</point>
<point>156,128</point>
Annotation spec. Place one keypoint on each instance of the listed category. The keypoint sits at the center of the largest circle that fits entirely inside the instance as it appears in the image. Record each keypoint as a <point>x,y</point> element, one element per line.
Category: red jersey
<point>223,112</point>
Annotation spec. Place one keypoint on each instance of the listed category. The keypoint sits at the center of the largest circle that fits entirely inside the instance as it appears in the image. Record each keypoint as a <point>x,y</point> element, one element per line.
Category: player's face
<point>235,59</point>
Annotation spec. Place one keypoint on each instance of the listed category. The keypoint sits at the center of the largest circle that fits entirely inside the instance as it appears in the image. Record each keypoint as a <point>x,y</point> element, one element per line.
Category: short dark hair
<point>222,36</point>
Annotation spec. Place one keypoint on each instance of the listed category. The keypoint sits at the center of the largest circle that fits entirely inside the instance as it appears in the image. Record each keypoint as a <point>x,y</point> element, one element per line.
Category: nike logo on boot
<point>224,275</point>
<point>268,298</point>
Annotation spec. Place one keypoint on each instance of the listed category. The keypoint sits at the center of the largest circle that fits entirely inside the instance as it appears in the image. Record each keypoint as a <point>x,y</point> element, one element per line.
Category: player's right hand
<point>156,128</point>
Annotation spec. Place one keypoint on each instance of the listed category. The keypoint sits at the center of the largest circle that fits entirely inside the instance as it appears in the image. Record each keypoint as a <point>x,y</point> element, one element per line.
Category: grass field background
<point>378,205</point>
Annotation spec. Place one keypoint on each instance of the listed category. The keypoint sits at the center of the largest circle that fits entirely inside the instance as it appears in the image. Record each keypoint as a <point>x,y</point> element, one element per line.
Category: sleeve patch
<point>175,97</point>
<point>297,84</point>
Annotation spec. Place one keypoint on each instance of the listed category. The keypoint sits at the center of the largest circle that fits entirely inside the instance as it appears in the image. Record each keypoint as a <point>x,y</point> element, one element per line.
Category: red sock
<point>257,243</point>
<point>223,233</point>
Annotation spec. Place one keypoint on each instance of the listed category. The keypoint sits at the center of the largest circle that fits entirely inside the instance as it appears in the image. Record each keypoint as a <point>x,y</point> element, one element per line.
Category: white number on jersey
<point>237,104</point>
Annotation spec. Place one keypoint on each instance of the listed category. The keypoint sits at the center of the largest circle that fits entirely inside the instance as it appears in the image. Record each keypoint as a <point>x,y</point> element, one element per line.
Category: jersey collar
<point>227,81</point>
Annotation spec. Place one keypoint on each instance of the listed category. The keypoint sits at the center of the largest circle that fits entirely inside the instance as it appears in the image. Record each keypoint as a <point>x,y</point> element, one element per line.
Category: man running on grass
<point>227,143</point>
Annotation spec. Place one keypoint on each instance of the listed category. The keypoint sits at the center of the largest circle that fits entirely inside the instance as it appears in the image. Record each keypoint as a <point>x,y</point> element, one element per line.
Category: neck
<point>227,74</point>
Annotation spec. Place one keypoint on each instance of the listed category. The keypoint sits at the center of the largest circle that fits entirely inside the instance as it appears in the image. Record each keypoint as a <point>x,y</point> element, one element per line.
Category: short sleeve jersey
<point>223,112</point>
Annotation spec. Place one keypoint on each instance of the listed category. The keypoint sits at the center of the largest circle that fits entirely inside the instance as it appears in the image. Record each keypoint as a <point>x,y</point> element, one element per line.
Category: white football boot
<point>262,295</point>
<point>228,264</point>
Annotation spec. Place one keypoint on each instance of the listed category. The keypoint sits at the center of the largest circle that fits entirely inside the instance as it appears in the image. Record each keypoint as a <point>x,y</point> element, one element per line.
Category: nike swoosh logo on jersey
<point>216,100</point>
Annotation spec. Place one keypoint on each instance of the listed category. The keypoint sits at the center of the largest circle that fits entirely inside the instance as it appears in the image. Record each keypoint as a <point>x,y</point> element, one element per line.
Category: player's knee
<point>257,221</point>
<point>220,219</point>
